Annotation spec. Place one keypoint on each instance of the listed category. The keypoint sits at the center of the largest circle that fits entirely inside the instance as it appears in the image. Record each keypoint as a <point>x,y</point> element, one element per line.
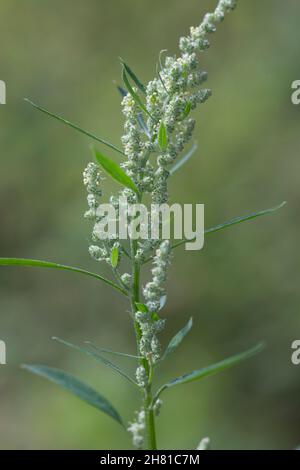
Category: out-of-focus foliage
<point>243,286</point>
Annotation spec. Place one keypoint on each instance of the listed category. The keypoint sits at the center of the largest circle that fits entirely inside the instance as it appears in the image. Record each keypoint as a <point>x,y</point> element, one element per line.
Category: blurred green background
<point>243,287</point>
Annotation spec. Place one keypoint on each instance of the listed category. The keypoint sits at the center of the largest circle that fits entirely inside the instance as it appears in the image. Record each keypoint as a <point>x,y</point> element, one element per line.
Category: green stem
<point>150,435</point>
<point>149,421</point>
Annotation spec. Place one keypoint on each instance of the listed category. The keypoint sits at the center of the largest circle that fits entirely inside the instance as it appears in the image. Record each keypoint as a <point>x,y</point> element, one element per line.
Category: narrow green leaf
<point>74,126</point>
<point>237,220</point>
<point>141,307</point>
<point>47,264</point>
<point>132,75</point>
<point>178,338</point>
<point>114,170</point>
<point>184,159</point>
<point>161,79</point>
<point>114,353</point>
<point>76,387</point>
<point>187,110</point>
<point>114,257</point>
<point>97,357</point>
<point>211,370</point>
<point>134,95</point>
<point>162,137</point>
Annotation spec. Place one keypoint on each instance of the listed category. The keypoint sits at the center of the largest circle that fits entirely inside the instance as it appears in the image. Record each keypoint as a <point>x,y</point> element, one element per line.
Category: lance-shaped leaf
<point>230,223</point>
<point>133,76</point>
<point>114,170</point>
<point>134,95</point>
<point>237,220</point>
<point>76,387</point>
<point>97,357</point>
<point>109,351</point>
<point>162,137</point>
<point>211,370</point>
<point>184,159</point>
<point>114,256</point>
<point>186,110</point>
<point>141,307</point>
<point>74,126</point>
<point>178,338</point>
<point>47,264</point>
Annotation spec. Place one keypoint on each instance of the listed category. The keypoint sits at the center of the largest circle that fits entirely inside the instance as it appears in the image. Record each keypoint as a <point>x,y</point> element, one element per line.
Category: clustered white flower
<point>100,249</point>
<point>137,429</point>
<point>169,100</point>
<point>149,322</point>
<point>155,289</point>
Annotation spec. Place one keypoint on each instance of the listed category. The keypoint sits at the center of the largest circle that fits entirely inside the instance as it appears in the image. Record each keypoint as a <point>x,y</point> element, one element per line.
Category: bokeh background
<point>243,287</point>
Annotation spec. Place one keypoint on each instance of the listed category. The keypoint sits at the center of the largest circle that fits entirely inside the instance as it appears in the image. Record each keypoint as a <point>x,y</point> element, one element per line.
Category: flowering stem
<point>149,421</point>
<point>150,434</point>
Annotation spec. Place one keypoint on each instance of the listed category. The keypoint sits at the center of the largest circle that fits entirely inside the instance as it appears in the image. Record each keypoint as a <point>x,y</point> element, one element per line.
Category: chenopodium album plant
<point>158,126</point>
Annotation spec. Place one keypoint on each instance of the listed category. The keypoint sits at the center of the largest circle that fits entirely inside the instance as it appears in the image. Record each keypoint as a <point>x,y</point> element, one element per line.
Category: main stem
<point>150,434</point>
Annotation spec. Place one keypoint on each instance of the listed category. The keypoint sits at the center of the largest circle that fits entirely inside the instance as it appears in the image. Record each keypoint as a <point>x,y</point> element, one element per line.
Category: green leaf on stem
<point>212,369</point>
<point>109,351</point>
<point>76,387</point>
<point>141,307</point>
<point>162,137</point>
<point>178,338</point>
<point>114,257</point>
<point>97,357</point>
<point>74,126</point>
<point>114,170</point>
<point>46,264</point>
<point>133,76</point>
<point>134,95</point>
<point>237,220</point>
<point>187,110</point>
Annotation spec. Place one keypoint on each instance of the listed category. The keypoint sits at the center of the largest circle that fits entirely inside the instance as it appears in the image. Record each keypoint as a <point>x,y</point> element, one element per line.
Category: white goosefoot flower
<point>170,98</point>
<point>155,289</point>
<point>137,429</point>
<point>141,376</point>
<point>100,249</point>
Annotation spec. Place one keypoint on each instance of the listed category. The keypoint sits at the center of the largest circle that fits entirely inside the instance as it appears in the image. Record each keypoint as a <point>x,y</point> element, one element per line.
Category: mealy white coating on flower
<point>204,444</point>
<point>155,289</point>
<point>137,428</point>
<point>170,97</point>
<point>126,278</point>
<point>141,376</point>
<point>149,345</point>
<point>100,249</point>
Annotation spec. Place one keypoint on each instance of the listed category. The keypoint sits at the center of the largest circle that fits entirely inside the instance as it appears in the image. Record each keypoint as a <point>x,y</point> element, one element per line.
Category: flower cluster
<point>137,429</point>
<point>155,289</point>
<point>99,249</point>
<point>149,323</point>
<point>168,102</point>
